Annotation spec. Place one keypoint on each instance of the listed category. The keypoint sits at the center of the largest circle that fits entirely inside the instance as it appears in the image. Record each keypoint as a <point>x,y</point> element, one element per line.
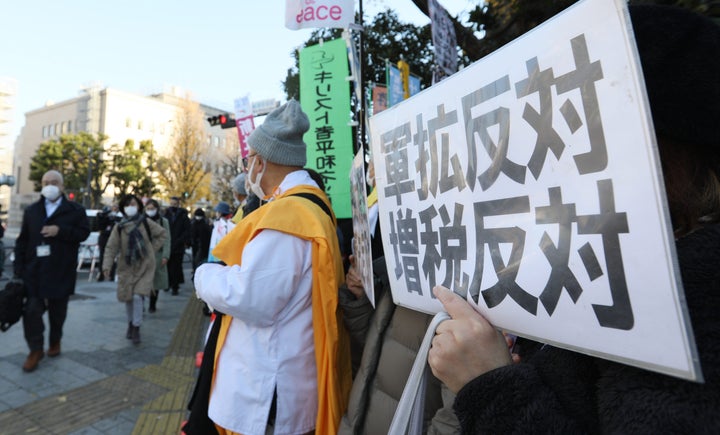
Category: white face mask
<point>130,210</point>
<point>198,218</point>
<point>50,192</point>
<point>151,213</point>
<point>254,186</point>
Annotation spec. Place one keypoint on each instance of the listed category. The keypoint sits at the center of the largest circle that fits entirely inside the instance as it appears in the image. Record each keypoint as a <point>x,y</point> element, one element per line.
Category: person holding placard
<point>551,390</point>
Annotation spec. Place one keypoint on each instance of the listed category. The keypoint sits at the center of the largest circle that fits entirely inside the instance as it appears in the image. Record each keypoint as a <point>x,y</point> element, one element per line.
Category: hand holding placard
<point>467,345</point>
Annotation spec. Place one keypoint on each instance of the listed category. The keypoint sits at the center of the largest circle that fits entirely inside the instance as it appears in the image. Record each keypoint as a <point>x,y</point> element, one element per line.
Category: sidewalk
<point>101,383</point>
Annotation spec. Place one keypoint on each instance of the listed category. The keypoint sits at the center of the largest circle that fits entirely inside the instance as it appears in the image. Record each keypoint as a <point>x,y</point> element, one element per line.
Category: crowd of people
<point>140,246</point>
<point>295,347</point>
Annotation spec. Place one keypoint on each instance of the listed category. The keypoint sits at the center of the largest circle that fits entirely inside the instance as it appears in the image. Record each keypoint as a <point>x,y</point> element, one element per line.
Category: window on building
<point>45,131</point>
<point>152,127</point>
<point>128,122</point>
<point>162,128</point>
<point>69,126</point>
<point>57,129</point>
<point>215,141</point>
<point>140,125</point>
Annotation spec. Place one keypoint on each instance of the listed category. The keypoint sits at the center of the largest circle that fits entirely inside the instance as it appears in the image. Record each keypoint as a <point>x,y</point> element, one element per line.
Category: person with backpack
<point>134,241</point>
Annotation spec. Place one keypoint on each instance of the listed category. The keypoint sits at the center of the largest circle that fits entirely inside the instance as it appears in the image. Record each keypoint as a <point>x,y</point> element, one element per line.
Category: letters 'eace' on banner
<point>302,14</point>
<point>529,182</point>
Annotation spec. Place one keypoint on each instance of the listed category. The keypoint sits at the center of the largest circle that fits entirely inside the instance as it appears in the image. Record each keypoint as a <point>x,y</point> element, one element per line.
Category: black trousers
<point>33,325</point>
<point>175,269</point>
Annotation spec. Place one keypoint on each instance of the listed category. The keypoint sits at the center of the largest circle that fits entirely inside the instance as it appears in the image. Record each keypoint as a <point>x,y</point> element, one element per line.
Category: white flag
<point>301,14</point>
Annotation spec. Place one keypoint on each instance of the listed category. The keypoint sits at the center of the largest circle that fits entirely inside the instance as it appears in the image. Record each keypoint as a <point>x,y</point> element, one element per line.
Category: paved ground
<point>101,383</point>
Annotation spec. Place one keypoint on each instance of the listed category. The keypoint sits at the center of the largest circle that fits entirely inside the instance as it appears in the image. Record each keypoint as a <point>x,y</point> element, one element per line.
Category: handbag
<point>408,418</point>
<point>12,303</point>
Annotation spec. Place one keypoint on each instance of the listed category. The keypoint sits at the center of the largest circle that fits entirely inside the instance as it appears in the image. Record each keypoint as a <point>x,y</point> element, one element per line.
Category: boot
<point>153,302</point>
<point>32,360</point>
<point>54,350</point>
<point>136,335</point>
<point>128,334</point>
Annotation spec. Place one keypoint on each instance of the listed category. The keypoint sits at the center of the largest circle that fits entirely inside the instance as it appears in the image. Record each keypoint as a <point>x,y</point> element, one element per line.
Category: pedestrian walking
<point>46,253</point>
<point>134,241</point>
<point>160,280</point>
<point>179,240</point>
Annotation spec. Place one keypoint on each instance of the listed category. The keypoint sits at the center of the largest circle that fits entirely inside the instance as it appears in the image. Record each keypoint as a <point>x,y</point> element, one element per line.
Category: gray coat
<point>161,275</point>
<point>135,279</point>
<point>389,338</point>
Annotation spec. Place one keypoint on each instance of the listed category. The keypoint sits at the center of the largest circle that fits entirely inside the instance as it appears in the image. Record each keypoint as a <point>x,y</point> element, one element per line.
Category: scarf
<point>136,243</point>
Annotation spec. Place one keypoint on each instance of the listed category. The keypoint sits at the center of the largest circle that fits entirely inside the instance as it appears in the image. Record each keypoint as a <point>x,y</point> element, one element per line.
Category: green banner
<point>325,97</point>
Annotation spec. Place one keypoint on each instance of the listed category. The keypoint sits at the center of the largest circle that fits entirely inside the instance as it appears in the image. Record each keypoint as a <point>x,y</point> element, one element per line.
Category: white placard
<point>530,183</point>
<point>362,251</point>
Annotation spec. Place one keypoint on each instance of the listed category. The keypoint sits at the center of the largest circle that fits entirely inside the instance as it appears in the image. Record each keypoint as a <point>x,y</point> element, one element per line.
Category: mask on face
<point>130,210</point>
<point>198,218</point>
<point>50,192</point>
<point>254,186</point>
<point>151,213</point>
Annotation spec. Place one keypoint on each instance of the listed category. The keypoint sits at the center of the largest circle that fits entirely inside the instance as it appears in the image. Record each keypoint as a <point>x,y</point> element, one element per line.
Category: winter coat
<point>391,338</point>
<point>160,281</point>
<point>53,276</point>
<point>179,229</point>
<point>559,391</point>
<point>136,278</point>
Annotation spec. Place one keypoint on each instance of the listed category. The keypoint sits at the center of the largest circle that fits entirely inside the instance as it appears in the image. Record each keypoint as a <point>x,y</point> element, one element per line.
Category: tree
<point>80,158</point>
<point>385,38</point>
<point>182,172</point>
<point>494,23</point>
<point>227,167</point>
<point>132,168</point>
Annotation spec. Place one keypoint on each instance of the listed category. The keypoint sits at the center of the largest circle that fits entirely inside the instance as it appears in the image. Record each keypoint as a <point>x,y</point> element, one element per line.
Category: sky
<point>217,51</point>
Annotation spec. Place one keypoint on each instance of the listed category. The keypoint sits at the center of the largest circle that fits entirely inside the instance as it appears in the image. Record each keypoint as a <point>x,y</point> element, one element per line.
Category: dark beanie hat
<point>279,139</point>
<point>680,55</point>
<point>199,212</point>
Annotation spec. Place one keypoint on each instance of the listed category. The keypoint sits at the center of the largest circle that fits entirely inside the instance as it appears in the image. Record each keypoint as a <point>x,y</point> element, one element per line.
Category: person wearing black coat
<point>179,240</point>
<point>106,220</point>
<point>46,253</point>
<point>201,231</point>
<point>543,389</point>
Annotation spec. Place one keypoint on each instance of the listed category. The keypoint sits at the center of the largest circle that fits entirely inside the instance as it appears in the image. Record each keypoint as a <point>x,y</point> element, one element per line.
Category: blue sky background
<point>218,51</point>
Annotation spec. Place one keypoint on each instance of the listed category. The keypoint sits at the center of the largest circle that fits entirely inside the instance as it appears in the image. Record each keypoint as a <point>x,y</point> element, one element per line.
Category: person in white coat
<point>283,362</point>
<point>222,225</point>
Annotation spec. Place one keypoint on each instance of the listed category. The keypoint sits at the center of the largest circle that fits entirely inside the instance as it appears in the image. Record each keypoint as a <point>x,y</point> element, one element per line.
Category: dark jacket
<point>389,338</point>
<point>201,231</point>
<point>179,229</point>
<point>559,391</point>
<point>53,276</point>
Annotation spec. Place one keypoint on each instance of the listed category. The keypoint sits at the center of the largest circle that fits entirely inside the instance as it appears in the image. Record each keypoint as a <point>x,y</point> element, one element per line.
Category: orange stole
<point>301,218</point>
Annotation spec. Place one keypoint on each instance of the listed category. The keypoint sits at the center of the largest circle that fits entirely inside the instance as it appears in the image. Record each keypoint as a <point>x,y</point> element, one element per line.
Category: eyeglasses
<point>246,159</point>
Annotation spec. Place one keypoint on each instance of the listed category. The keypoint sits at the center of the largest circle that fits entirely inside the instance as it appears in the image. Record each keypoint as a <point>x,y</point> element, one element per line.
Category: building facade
<point>8,90</point>
<point>118,115</point>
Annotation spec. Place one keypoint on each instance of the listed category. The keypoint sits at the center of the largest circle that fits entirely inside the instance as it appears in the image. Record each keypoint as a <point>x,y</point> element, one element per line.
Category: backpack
<point>12,304</point>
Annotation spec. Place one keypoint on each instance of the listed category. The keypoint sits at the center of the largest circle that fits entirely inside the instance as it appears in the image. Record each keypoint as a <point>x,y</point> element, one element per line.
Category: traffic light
<point>224,120</point>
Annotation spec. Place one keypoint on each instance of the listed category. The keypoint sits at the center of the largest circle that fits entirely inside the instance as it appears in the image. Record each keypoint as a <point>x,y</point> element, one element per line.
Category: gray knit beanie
<point>279,139</point>
<point>238,184</point>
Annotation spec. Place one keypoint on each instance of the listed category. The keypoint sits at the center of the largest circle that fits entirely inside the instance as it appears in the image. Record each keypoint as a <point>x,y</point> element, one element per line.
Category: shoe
<point>54,350</point>
<point>175,292</point>
<point>128,334</point>
<point>136,335</point>
<point>32,360</point>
